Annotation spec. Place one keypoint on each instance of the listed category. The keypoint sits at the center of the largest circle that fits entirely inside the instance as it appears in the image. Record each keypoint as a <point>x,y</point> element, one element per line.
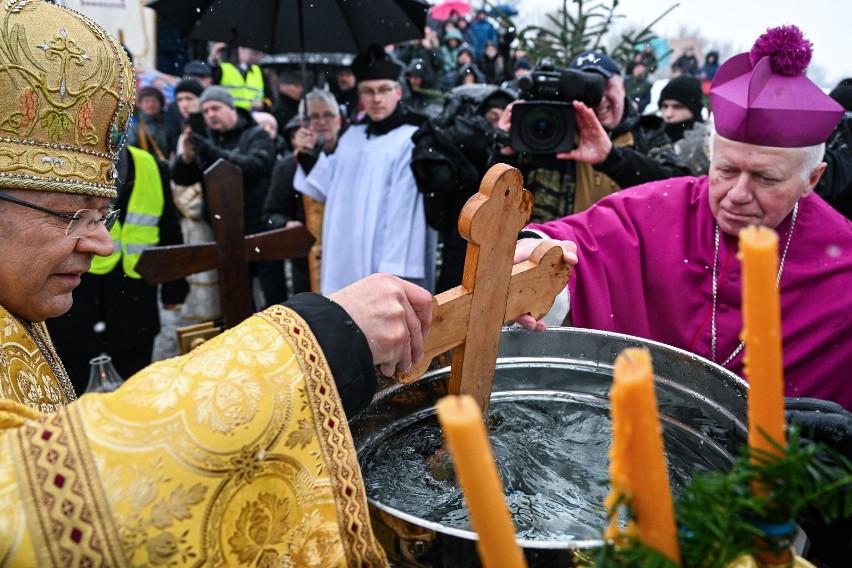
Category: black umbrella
<point>281,26</point>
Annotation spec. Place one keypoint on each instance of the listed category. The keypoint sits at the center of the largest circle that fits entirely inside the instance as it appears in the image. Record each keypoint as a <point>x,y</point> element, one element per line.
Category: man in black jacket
<point>835,185</point>
<point>283,207</point>
<point>233,135</point>
<point>620,149</point>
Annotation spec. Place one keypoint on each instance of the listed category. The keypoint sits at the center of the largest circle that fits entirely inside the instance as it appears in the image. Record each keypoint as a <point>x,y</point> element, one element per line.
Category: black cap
<point>375,65</point>
<point>189,86</point>
<point>686,90</point>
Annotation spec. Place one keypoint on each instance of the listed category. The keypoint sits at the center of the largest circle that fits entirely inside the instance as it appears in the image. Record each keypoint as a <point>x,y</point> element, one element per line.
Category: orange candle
<point>476,470</point>
<point>762,335</point>
<point>638,470</point>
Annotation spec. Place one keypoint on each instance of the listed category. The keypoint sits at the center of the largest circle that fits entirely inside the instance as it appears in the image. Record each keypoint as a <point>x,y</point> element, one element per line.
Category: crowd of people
<point>239,452</point>
<point>387,149</point>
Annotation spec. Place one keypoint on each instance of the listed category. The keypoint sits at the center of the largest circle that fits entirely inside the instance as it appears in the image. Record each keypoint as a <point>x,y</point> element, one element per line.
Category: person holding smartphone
<point>230,133</point>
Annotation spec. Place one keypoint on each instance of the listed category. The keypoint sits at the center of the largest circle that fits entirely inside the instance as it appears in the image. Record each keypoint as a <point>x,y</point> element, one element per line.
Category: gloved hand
<point>205,148</point>
<point>821,421</point>
<point>828,423</point>
<point>276,221</point>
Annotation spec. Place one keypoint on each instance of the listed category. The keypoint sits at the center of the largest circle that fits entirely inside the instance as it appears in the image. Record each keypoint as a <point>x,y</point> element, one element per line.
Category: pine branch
<point>718,514</point>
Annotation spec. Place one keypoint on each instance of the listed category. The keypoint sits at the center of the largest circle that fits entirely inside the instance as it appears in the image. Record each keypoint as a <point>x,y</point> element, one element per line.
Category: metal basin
<point>695,397</point>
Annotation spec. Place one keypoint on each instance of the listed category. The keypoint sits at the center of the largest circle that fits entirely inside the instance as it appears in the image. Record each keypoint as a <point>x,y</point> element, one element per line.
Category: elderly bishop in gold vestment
<point>236,454</point>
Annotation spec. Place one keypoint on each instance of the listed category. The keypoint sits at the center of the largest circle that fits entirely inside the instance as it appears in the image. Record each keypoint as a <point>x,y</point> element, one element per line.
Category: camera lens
<point>438,175</point>
<point>544,128</point>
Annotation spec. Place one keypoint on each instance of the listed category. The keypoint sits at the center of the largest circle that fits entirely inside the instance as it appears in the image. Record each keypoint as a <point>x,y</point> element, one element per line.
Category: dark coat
<point>126,306</point>
<point>284,204</point>
<point>247,146</point>
<point>835,185</point>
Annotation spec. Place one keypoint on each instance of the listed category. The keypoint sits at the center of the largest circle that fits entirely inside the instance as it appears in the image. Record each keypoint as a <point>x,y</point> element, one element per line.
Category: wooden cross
<point>231,253</point>
<point>470,317</point>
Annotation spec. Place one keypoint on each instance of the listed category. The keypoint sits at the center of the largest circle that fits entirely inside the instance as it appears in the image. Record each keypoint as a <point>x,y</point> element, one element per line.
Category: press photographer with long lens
<point>576,138</point>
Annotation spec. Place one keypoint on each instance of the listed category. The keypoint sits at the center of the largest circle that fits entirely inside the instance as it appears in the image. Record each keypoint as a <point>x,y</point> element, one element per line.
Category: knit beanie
<point>217,93</point>
<point>686,90</point>
<point>189,86</point>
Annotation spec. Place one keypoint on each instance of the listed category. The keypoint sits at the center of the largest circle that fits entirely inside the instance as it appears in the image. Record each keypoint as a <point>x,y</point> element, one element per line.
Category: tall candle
<point>638,470</point>
<point>763,363</point>
<point>762,335</point>
<point>476,471</point>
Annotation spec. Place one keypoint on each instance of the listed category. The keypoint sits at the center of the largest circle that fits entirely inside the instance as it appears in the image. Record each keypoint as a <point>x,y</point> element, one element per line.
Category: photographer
<point>233,135</point>
<point>617,149</point>
<point>451,154</point>
<point>283,207</point>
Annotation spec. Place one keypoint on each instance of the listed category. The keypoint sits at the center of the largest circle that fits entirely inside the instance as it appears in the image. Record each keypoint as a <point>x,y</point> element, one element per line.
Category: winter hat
<point>417,68</point>
<point>523,64</point>
<point>842,93</point>
<point>686,90</point>
<point>189,86</point>
<point>453,33</point>
<point>597,61</point>
<point>465,48</point>
<point>293,77</point>
<point>151,92</point>
<point>763,97</point>
<point>217,93</point>
<point>375,64</point>
<point>198,68</point>
<point>500,98</point>
<point>293,124</point>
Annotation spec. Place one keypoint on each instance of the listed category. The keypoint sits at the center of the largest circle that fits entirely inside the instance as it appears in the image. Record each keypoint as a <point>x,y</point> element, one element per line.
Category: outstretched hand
<point>594,144</point>
<point>523,250</point>
<point>394,315</point>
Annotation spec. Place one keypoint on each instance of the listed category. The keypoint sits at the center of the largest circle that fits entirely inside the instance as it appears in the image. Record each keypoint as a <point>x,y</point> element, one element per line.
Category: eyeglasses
<point>383,91</point>
<point>83,223</point>
<point>327,115</point>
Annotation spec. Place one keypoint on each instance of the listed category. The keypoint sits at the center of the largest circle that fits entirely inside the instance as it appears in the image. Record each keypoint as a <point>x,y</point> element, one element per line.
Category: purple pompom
<point>788,51</point>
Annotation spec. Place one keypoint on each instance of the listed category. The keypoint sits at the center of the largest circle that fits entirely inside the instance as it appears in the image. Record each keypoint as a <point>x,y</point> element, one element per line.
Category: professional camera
<point>544,122</point>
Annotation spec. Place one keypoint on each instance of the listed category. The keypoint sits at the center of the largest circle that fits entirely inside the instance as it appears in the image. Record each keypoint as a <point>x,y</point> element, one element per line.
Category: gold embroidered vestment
<point>235,454</point>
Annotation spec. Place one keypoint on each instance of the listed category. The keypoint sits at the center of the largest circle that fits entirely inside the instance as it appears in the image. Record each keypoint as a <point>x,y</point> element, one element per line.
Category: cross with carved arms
<point>231,252</point>
<point>469,318</point>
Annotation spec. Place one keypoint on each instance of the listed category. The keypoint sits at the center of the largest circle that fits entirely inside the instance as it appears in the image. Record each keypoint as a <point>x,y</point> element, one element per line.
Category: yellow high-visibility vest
<point>141,227</point>
<point>248,91</point>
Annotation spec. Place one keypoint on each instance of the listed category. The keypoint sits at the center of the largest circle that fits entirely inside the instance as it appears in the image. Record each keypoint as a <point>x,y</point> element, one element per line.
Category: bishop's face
<point>756,185</point>
<point>41,264</point>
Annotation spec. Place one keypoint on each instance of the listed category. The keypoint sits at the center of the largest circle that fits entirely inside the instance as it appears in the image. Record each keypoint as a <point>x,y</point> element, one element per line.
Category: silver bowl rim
<point>557,544</point>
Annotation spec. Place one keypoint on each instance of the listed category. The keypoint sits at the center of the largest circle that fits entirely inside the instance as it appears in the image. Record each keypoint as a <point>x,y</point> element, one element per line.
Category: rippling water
<point>552,451</point>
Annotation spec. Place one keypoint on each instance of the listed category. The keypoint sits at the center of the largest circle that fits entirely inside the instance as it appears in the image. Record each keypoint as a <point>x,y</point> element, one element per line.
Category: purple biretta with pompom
<point>763,97</point>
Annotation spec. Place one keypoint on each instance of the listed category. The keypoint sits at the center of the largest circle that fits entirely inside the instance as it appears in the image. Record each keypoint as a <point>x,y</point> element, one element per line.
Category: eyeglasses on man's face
<point>327,115</point>
<point>82,223</point>
<point>382,91</point>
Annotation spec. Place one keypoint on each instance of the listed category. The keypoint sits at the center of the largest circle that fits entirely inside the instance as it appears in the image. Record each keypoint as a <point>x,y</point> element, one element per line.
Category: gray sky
<point>738,23</point>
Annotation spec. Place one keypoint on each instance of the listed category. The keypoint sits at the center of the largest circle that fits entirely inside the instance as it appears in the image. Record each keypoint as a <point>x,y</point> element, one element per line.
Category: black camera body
<point>544,122</point>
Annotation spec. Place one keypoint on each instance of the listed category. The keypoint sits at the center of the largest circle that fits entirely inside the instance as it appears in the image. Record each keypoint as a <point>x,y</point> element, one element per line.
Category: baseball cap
<point>597,61</point>
<point>198,68</point>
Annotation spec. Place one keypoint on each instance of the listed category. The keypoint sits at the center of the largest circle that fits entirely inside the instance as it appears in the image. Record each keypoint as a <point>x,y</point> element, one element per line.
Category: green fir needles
<point>720,519</point>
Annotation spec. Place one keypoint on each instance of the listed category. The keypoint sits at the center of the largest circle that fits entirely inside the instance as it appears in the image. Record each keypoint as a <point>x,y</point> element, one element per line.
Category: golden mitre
<point>66,100</point>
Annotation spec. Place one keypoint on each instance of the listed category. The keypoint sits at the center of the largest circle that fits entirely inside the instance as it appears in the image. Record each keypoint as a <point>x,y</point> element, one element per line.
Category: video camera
<point>544,122</point>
